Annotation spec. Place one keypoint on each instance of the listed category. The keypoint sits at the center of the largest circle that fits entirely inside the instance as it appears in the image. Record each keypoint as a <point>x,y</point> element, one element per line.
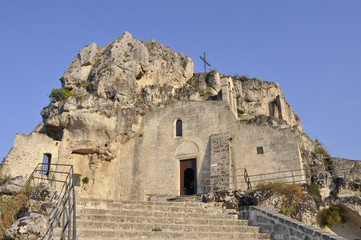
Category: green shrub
<point>286,210</point>
<point>85,180</point>
<point>313,190</point>
<point>331,216</point>
<point>156,229</point>
<point>242,77</point>
<point>327,163</point>
<point>321,149</point>
<point>60,94</point>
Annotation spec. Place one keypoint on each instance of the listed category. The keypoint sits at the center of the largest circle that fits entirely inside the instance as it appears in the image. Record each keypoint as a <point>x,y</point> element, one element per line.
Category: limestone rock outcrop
<point>258,97</point>
<point>267,198</point>
<point>110,84</point>
<point>113,88</point>
<point>33,218</point>
<point>12,185</point>
<point>122,68</point>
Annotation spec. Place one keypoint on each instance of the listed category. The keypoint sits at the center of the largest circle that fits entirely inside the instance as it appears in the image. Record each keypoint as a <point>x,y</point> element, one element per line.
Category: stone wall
<point>229,94</point>
<point>27,152</point>
<point>158,150</point>
<point>220,162</point>
<point>280,152</point>
<point>282,227</point>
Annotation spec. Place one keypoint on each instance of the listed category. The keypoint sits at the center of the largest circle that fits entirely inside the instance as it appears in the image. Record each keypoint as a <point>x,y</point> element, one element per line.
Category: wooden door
<point>188,177</point>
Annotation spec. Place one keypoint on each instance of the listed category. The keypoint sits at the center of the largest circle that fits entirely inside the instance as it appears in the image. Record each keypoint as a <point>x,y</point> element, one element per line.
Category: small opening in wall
<point>179,129</point>
<point>259,150</point>
<point>45,168</point>
<point>76,179</point>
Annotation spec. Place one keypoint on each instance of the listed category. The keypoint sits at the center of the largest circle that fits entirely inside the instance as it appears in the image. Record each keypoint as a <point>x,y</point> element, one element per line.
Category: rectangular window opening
<point>259,150</point>
<point>45,168</point>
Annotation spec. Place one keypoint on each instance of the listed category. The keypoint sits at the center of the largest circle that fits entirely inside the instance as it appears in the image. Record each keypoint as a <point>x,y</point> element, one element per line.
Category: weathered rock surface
<point>32,219</point>
<point>264,197</point>
<point>38,201</point>
<point>12,186</point>
<point>337,179</point>
<point>303,209</point>
<point>258,97</point>
<point>125,66</point>
<point>351,202</point>
<point>78,72</point>
<point>33,226</point>
<point>114,86</point>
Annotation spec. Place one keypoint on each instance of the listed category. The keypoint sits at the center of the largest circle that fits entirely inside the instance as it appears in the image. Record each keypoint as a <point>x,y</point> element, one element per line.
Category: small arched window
<point>178,128</point>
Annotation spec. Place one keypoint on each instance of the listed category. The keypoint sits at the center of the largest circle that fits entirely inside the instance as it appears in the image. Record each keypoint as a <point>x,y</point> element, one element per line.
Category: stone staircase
<point>110,219</point>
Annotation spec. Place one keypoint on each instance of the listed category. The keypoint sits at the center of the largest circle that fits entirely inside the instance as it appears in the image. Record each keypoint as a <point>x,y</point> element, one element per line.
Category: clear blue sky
<point>311,48</point>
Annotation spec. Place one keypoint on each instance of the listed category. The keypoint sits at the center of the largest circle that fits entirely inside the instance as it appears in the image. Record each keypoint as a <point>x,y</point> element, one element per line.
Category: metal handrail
<point>247,180</point>
<point>295,175</point>
<point>63,212</point>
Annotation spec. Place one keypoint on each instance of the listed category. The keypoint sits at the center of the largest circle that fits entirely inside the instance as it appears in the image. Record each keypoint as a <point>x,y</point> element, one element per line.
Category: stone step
<point>170,220</point>
<point>124,219</point>
<point>164,227</point>
<point>131,234</point>
<point>186,198</point>
<point>141,207</point>
<point>138,213</point>
<point>96,202</point>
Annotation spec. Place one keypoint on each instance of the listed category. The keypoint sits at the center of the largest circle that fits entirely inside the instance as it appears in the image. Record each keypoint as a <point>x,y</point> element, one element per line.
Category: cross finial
<point>205,63</point>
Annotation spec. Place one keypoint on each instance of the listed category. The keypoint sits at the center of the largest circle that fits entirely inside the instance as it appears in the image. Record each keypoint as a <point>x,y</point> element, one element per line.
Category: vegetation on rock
<point>242,77</point>
<point>331,216</point>
<point>282,188</point>
<point>85,180</point>
<point>60,94</point>
<point>9,208</point>
<point>313,190</point>
<point>286,210</point>
<point>321,149</point>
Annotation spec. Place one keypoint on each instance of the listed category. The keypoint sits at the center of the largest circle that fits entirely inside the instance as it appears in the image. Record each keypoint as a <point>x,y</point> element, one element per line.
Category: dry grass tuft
<point>282,188</point>
<point>9,208</point>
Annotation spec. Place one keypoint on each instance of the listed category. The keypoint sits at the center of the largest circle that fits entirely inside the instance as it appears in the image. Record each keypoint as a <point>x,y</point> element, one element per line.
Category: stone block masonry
<point>220,161</point>
<point>282,227</point>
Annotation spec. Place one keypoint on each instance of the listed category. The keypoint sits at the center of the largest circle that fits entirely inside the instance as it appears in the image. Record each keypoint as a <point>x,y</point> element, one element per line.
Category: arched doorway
<point>188,177</point>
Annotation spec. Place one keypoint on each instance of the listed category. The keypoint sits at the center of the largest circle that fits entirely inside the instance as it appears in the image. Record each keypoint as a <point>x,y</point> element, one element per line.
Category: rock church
<point>141,124</point>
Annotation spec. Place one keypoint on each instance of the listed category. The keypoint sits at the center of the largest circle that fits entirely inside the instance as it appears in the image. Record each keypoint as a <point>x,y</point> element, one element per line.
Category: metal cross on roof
<point>205,63</point>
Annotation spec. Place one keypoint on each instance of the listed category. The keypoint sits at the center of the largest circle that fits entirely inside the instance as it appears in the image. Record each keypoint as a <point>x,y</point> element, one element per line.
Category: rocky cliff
<point>115,85</point>
<point>108,91</point>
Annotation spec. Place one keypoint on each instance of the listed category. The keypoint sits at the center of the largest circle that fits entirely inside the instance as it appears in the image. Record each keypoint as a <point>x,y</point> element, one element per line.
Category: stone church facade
<point>178,146</point>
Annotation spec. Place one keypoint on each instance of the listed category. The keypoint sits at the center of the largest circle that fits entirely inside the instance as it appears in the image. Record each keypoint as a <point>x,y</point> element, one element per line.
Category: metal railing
<point>295,176</point>
<point>63,211</point>
<point>299,176</point>
<point>247,179</point>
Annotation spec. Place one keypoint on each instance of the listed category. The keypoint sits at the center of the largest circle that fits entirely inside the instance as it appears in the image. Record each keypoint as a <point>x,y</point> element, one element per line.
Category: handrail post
<point>74,206</point>
<point>247,180</point>
<point>69,206</point>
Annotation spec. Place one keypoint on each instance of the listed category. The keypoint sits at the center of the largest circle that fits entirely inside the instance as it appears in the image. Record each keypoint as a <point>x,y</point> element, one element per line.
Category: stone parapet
<point>282,227</point>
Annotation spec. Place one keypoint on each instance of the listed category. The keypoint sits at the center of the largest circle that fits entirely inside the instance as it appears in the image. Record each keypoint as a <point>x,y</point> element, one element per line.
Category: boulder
<point>12,186</point>
<point>264,197</point>
<point>223,195</point>
<point>33,226</point>
<point>303,209</point>
<point>33,217</point>
<point>78,72</point>
<point>209,197</point>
